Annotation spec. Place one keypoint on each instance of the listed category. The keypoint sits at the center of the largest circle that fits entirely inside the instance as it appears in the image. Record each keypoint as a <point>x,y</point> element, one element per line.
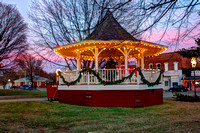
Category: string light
<point>142,47</point>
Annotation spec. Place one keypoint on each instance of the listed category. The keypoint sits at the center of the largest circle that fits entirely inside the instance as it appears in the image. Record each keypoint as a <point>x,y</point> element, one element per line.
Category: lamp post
<point>1,72</point>
<point>57,75</point>
<point>194,62</point>
<point>9,86</point>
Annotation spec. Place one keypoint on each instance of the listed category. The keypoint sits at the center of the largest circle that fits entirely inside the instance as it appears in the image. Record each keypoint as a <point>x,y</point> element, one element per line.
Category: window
<point>166,66</point>
<point>175,66</point>
<point>18,83</point>
<point>38,83</point>
<point>166,83</point>
<point>158,66</point>
<point>150,66</point>
<point>175,84</point>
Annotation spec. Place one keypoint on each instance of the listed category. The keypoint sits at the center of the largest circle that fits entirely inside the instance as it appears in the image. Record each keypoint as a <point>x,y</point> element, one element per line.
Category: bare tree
<point>192,52</point>
<point>31,65</point>
<point>60,22</point>
<point>162,15</point>
<point>9,76</point>
<point>12,34</point>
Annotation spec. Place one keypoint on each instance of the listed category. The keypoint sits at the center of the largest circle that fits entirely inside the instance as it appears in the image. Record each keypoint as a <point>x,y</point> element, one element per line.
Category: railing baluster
<point>88,75</point>
<point>118,74</point>
<point>102,74</point>
<point>110,75</point>
<point>138,78</point>
<point>115,74</point>
<point>106,75</point>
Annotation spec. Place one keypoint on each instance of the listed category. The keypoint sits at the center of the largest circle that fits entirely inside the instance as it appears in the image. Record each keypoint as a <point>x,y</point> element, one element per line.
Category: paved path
<point>16,96</point>
<point>23,99</point>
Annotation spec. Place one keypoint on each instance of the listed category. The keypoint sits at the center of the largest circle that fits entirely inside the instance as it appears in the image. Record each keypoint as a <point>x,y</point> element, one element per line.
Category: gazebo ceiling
<point>86,48</point>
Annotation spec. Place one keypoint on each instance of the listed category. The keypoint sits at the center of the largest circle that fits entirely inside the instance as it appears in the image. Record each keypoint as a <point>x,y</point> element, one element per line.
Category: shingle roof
<point>36,78</point>
<point>109,29</point>
<point>23,80</point>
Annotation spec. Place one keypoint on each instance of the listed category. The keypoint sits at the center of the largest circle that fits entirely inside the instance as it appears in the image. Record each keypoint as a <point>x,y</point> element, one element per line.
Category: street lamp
<point>57,75</point>
<point>9,86</point>
<point>194,63</point>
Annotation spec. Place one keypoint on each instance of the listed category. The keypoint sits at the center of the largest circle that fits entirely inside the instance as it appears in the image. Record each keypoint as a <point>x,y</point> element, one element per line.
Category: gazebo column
<point>96,55</point>
<point>119,64</point>
<point>78,59</point>
<point>138,65</point>
<point>142,60</point>
<point>138,61</point>
<point>125,53</point>
<point>126,61</point>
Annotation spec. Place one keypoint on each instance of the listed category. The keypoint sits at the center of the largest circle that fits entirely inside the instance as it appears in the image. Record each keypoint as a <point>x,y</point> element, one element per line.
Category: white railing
<point>109,75</point>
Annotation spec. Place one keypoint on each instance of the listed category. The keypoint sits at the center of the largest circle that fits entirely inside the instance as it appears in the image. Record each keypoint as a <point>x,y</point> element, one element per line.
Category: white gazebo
<point>108,37</point>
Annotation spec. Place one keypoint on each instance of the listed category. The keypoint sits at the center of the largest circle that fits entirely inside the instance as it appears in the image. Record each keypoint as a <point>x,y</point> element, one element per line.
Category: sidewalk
<point>22,99</point>
<point>16,96</point>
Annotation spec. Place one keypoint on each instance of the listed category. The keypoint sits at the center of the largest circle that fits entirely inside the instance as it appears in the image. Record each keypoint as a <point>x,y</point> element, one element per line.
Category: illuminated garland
<point>150,83</point>
<point>96,74</point>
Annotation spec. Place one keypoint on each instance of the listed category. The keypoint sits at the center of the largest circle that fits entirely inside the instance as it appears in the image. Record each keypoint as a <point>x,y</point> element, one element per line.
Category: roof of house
<point>192,78</point>
<point>22,80</point>
<point>167,56</point>
<point>36,78</point>
<point>109,29</point>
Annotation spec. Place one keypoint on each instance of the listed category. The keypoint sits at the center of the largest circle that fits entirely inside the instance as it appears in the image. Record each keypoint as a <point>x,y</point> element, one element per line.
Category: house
<point>173,65</point>
<point>1,85</point>
<point>1,75</point>
<point>39,82</point>
<point>188,78</point>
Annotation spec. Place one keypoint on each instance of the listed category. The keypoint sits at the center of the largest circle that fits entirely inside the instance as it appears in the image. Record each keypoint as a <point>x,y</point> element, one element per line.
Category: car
<point>33,88</point>
<point>178,88</point>
<point>27,87</point>
<point>13,87</point>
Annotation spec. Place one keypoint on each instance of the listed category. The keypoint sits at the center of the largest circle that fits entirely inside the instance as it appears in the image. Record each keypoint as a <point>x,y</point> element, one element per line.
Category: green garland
<point>150,83</point>
<point>96,74</point>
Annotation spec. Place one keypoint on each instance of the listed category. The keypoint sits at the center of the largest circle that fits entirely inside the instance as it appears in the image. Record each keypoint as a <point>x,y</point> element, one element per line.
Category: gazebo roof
<point>109,35</point>
<point>109,29</point>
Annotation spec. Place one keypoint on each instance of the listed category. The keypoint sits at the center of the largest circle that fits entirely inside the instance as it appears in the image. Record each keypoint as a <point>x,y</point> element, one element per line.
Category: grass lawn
<point>172,116</point>
<point>4,92</point>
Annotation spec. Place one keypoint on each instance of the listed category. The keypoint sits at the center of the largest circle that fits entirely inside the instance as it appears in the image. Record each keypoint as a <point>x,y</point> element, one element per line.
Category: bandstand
<point>109,37</point>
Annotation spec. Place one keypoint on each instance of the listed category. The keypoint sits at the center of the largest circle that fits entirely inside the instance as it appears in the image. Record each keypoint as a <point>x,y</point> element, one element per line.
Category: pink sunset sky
<point>170,40</point>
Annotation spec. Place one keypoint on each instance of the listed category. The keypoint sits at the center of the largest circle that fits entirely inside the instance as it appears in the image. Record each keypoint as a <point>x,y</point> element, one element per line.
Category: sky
<point>24,7</point>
